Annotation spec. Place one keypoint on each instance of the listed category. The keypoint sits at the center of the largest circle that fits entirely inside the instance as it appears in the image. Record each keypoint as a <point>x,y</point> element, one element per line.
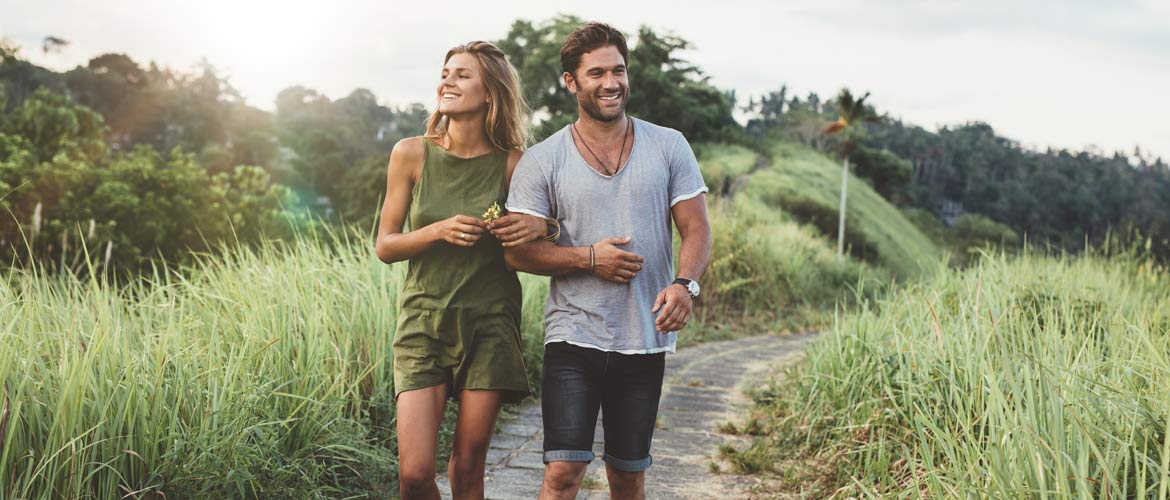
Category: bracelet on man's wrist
<point>555,235</point>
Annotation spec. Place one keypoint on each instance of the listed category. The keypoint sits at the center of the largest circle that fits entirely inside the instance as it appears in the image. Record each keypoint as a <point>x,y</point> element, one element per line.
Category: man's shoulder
<point>552,146</point>
<point>659,134</point>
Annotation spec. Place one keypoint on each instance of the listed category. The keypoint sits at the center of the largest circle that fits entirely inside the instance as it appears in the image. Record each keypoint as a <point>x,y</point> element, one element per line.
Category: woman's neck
<point>466,136</point>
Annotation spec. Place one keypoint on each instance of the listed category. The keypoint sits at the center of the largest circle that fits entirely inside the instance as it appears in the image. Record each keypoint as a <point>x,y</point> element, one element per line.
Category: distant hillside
<point>804,185</point>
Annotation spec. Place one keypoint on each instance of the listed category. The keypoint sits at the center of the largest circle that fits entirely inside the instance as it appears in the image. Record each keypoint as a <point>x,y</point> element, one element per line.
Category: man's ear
<point>570,83</point>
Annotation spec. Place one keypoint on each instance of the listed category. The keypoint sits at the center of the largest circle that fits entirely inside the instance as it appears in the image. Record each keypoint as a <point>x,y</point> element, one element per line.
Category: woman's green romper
<point>459,313</point>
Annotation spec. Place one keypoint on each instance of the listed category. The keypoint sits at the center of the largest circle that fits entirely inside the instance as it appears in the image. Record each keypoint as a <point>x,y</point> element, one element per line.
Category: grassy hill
<point>774,263</point>
<point>722,163</point>
<point>805,185</point>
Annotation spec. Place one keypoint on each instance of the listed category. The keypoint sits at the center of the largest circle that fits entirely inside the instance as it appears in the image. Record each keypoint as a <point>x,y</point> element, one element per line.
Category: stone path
<point>702,389</point>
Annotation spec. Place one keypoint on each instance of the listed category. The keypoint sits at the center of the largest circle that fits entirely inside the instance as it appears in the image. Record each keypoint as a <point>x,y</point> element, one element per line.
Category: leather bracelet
<point>590,259</point>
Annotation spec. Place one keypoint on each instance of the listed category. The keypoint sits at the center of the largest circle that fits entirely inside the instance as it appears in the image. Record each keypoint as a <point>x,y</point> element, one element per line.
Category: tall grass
<point>1037,377</point>
<point>769,272</point>
<point>260,373</point>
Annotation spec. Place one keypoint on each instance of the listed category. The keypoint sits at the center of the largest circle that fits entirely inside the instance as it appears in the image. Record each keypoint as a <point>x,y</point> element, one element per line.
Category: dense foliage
<point>66,192</point>
<point>1055,196</point>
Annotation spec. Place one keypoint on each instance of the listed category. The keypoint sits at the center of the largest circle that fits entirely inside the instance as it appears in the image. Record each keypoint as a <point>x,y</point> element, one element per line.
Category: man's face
<point>601,84</point>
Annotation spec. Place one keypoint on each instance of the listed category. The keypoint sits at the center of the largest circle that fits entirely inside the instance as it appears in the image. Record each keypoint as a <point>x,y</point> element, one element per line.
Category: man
<point>614,303</point>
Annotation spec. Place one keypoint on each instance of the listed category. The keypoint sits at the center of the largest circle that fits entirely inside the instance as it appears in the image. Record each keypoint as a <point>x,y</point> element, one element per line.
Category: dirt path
<point>703,388</point>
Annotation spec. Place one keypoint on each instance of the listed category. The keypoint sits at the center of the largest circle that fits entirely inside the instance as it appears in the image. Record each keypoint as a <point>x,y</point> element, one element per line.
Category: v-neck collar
<point>621,168</point>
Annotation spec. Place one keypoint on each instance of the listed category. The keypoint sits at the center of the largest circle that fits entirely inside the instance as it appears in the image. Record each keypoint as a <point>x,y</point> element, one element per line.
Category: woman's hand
<point>459,230</point>
<point>517,229</point>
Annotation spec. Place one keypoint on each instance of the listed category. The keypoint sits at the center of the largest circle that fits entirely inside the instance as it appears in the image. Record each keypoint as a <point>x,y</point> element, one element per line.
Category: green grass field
<point>1037,377</point>
<point>261,373</point>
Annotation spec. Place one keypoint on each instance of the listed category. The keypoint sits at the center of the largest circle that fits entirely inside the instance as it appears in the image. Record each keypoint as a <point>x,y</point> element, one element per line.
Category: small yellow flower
<point>492,213</point>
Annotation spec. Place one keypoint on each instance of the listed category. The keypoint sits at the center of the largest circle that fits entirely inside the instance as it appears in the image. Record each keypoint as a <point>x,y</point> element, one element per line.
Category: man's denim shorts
<point>626,387</point>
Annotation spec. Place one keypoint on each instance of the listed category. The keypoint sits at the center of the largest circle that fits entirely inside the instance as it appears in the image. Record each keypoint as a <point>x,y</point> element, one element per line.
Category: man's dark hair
<point>587,38</point>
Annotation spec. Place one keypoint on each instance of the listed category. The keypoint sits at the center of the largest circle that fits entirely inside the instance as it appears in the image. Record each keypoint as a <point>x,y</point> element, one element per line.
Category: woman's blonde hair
<point>506,114</point>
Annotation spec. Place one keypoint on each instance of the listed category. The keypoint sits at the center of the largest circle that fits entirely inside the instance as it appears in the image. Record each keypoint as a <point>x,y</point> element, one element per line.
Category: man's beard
<point>592,107</point>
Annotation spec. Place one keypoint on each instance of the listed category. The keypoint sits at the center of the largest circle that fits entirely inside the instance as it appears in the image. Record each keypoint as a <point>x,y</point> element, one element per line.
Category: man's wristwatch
<point>692,286</point>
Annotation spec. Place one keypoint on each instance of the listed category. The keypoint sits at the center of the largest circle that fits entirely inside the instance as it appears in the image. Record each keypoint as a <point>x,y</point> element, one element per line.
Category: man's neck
<point>599,131</point>
<point>466,136</point>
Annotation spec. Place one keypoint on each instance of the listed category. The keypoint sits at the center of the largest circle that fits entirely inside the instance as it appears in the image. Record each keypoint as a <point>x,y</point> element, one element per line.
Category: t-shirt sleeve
<point>686,181</point>
<point>531,191</point>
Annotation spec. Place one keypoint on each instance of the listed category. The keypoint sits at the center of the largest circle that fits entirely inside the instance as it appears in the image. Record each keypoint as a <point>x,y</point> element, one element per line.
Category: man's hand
<point>673,306</point>
<point>611,263</point>
<point>518,229</point>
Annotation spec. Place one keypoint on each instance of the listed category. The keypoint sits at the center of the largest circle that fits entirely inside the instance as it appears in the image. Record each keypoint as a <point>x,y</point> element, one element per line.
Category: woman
<point>459,318</point>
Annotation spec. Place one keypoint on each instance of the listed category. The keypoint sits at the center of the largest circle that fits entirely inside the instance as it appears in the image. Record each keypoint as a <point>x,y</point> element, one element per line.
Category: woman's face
<point>461,90</point>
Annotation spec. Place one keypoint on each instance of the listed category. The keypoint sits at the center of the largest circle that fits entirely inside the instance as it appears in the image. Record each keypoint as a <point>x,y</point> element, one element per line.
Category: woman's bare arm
<point>393,245</point>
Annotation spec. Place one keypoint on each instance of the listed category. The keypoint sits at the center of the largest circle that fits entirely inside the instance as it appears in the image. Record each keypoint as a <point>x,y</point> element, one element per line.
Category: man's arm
<point>690,217</point>
<point>673,304</point>
<point>546,258</point>
<point>549,259</point>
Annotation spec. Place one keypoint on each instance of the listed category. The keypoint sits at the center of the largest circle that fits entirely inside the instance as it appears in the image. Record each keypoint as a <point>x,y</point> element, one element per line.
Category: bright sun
<point>258,43</point>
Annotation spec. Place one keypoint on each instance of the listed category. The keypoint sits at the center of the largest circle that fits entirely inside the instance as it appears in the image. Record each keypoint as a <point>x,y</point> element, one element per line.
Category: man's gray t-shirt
<point>553,180</point>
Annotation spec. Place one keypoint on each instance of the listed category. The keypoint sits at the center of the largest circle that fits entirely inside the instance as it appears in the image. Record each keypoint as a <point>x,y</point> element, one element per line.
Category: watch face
<point>693,287</point>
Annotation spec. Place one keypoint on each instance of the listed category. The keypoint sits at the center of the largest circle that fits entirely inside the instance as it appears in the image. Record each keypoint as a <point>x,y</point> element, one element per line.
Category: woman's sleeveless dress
<point>459,312</point>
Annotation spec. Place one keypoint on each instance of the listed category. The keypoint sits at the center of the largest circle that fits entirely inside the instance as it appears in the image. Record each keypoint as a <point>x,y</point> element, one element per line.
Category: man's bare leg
<point>562,480</point>
<point>626,485</point>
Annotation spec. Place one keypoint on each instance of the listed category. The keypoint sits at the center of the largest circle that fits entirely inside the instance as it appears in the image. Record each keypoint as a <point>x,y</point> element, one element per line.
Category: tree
<point>20,78</point>
<point>849,111</point>
<point>62,186</point>
<point>53,44</point>
<point>665,89</point>
<point>335,146</point>
<point>887,172</point>
<point>769,111</point>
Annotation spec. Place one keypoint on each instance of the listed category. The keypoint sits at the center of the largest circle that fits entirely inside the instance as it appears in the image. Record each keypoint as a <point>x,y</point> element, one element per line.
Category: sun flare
<point>261,40</point>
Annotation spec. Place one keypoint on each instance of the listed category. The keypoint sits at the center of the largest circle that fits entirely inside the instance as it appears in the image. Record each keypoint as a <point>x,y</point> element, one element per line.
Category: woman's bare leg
<point>420,412</point>
<point>478,410</point>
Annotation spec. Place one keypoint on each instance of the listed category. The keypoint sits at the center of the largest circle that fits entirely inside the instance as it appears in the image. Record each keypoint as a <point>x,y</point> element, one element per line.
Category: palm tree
<point>53,44</point>
<point>849,112</point>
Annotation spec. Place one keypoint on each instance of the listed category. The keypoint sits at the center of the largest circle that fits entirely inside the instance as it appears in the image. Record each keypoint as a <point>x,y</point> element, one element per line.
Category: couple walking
<point>593,207</point>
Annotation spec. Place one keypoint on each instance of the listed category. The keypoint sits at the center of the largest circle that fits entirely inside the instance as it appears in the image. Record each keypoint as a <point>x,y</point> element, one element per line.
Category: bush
<point>970,235</point>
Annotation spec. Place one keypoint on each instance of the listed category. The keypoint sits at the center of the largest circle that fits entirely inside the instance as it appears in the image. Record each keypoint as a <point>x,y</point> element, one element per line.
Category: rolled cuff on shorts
<point>568,456</point>
<point>628,465</point>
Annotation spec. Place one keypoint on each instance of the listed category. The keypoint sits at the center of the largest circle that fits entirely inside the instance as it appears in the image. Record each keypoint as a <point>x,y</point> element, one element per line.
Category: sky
<point>1074,74</point>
